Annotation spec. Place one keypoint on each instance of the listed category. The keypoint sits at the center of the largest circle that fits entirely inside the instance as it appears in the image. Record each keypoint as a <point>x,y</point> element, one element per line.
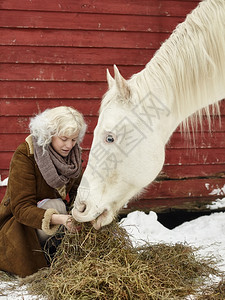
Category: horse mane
<point>190,65</point>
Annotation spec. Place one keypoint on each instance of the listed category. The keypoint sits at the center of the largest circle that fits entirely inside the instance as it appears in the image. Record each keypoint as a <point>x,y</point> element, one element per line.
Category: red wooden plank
<point>35,89</point>
<point>14,124</point>
<point>195,156</point>
<point>173,157</point>
<point>175,189</point>
<point>66,72</point>
<point>171,172</point>
<point>101,22</point>
<point>202,140</point>
<point>81,38</point>
<point>60,72</point>
<point>168,171</point>
<point>61,55</point>
<point>192,171</point>
<point>9,142</point>
<point>192,156</point>
<point>143,7</point>
<point>156,204</point>
<point>167,205</point>
<point>216,126</point>
<point>5,158</point>
<point>20,124</point>
<point>4,173</point>
<point>13,121</point>
<point>183,188</point>
<point>29,107</point>
<point>184,171</point>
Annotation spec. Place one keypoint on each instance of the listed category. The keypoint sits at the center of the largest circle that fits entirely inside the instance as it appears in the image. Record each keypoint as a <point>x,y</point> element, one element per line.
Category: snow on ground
<point>20,294</point>
<point>207,232</point>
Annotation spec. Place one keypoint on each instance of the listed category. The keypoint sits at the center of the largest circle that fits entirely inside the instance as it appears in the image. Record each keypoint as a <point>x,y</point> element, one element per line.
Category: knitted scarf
<point>55,169</point>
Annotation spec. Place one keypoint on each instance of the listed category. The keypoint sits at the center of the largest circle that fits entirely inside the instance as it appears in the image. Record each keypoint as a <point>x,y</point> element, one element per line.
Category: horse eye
<point>109,138</point>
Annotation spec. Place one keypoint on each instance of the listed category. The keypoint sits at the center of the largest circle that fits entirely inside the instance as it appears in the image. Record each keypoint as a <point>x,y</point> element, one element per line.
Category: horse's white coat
<point>138,116</point>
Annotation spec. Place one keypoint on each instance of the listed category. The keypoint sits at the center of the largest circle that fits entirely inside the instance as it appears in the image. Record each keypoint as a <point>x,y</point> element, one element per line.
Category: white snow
<point>218,203</point>
<point>3,182</point>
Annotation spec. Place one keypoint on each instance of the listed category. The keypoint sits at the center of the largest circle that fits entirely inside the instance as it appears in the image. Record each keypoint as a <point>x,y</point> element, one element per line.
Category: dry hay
<point>104,265</point>
<point>215,292</point>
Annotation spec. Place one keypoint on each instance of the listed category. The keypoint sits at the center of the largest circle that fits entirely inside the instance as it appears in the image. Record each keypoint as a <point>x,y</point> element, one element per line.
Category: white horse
<point>138,116</point>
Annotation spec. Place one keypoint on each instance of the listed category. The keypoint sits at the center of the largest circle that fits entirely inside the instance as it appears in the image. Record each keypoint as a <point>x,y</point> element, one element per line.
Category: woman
<point>43,170</point>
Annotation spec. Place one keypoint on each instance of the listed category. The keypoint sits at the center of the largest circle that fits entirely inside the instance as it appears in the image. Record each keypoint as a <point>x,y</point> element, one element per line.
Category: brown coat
<point>20,249</point>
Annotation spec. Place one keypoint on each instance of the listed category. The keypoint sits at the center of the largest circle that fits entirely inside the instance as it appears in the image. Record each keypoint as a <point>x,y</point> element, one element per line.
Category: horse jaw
<point>116,172</point>
<point>100,199</point>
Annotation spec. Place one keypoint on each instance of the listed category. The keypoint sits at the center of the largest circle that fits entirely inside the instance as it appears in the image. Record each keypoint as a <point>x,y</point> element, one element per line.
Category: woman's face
<point>63,144</point>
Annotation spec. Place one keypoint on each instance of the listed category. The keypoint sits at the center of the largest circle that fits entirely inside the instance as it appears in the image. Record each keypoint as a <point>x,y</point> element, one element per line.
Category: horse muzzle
<point>98,219</point>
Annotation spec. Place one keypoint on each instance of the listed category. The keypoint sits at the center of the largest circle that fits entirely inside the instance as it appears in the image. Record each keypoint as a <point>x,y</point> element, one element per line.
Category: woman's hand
<point>69,224</point>
<point>66,220</point>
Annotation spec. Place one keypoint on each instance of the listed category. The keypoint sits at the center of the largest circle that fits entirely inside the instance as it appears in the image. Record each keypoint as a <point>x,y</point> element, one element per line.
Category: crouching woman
<point>43,171</point>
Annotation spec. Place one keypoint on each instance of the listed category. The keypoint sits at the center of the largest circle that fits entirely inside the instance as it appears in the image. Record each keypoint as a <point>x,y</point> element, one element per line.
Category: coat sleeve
<point>22,194</point>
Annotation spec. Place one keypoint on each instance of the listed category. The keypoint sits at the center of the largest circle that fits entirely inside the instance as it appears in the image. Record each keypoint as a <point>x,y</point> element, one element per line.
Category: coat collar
<point>62,190</point>
<point>30,143</point>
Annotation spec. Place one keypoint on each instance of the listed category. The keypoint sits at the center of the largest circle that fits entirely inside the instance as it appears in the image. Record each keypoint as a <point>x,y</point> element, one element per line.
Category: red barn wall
<point>57,52</point>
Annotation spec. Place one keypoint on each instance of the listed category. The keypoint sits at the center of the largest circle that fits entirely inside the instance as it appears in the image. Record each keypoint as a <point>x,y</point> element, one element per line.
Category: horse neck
<point>187,73</point>
<point>161,114</point>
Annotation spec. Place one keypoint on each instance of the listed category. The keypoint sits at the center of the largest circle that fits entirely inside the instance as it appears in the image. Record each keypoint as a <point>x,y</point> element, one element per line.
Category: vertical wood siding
<point>57,52</point>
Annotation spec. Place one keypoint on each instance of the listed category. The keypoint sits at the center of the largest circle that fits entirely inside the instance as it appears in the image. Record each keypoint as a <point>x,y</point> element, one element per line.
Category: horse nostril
<point>81,207</point>
<point>84,208</point>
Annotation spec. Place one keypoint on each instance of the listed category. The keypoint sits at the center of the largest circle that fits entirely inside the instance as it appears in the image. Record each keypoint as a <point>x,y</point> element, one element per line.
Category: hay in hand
<point>104,265</point>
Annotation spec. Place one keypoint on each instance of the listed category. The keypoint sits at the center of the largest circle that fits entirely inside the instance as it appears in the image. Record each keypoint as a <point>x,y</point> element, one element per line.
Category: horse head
<point>126,155</point>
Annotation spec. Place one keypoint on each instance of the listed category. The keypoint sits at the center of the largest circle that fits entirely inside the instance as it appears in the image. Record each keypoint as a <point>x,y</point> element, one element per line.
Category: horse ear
<point>121,84</point>
<point>110,79</point>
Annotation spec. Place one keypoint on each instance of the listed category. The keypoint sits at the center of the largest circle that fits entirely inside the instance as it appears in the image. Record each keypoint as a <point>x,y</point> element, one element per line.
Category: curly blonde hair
<point>58,121</point>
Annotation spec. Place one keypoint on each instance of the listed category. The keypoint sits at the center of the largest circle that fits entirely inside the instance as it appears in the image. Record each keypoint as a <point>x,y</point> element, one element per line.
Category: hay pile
<point>215,292</point>
<point>105,265</point>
